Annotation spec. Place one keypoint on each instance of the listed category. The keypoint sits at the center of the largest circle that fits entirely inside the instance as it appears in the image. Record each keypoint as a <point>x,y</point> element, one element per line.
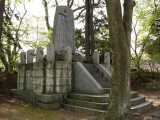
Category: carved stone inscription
<point>63,33</point>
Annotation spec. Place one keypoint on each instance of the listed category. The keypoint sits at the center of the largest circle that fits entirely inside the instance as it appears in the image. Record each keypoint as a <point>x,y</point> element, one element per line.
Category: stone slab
<point>49,98</point>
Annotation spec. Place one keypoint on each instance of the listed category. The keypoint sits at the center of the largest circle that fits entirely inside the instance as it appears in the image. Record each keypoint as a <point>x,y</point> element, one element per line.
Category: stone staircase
<point>97,104</point>
<point>98,76</point>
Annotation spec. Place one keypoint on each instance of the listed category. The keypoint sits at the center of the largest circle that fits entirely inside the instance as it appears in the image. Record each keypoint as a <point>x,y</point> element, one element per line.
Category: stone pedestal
<point>39,54</point>
<point>50,53</point>
<point>30,55</point>
<point>107,61</point>
<point>96,57</point>
<point>23,58</point>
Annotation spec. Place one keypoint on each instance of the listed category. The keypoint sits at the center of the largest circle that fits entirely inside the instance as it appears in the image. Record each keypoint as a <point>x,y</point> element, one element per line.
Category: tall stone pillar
<point>50,53</point>
<point>23,58</point>
<point>95,57</point>
<point>68,54</point>
<point>63,30</point>
<point>30,56</point>
<point>107,61</point>
<point>39,54</point>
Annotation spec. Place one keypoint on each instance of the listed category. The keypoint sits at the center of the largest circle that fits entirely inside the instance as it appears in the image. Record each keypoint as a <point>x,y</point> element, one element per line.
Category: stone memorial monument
<point>63,31</point>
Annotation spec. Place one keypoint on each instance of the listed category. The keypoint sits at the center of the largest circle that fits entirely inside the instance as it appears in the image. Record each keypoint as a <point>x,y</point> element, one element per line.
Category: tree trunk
<point>120,36</point>
<point>91,27</point>
<point>2,56</point>
<point>87,32</point>
<point>2,4</point>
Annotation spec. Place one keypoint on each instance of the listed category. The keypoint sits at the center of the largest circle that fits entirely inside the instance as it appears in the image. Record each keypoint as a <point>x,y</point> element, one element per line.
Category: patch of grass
<point>29,112</point>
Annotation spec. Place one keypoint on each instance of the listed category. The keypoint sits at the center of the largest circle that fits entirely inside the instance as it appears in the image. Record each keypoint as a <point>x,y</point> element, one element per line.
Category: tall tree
<point>2,5</point>
<point>120,37</point>
<point>89,31</point>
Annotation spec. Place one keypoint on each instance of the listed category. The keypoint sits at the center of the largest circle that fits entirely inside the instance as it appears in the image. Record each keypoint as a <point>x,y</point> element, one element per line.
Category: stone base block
<point>49,106</point>
<point>49,98</point>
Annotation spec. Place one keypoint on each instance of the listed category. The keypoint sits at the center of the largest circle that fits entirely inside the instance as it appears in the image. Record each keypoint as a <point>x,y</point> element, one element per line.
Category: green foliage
<point>146,39</point>
<point>155,86</point>
<point>50,35</point>
<point>79,38</point>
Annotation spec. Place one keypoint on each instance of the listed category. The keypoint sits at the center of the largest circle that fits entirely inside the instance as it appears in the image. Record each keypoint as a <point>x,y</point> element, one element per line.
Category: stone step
<point>138,100</point>
<point>86,104</point>
<point>102,79</point>
<point>136,109</point>
<point>97,75</point>
<point>106,90</point>
<point>90,98</point>
<point>89,66</point>
<point>88,111</point>
<point>104,84</point>
<point>95,98</point>
<point>143,107</point>
<point>101,106</point>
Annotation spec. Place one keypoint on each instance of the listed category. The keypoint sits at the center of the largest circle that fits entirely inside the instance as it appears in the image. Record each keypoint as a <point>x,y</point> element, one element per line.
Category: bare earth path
<point>13,109</point>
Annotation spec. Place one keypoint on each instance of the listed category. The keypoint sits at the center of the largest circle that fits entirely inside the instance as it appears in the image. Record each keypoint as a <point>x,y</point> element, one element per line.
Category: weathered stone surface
<point>38,88</point>
<point>39,54</point>
<point>26,96</point>
<point>38,65</point>
<point>49,89</point>
<point>49,98</point>
<point>21,79</point>
<point>63,65</point>
<point>68,54</point>
<point>29,87</point>
<point>96,57</point>
<point>21,67</point>
<point>29,73</point>
<point>50,52</point>
<point>29,80</point>
<point>63,81</point>
<point>63,32</point>
<point>38,81</point>
<point>50,72</point>
<point>23,58</point>
<point>63,73</point>
<point>107,61</point>
<point>21,86</point>
<point>38,73</point>
<point>62,89</point>
<point>49,64</point>
<point>49,81</point>
<point>30,56</point>
<point>49,106</point>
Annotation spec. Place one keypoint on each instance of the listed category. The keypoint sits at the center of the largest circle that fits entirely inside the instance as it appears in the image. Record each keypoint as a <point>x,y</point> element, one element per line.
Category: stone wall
<point>48,79</point>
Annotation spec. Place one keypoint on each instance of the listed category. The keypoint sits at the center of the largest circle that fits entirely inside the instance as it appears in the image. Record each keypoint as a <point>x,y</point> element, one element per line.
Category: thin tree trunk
<point>87,32</point>
<point>2,4</point>
<point>2,56</point>
<point>91,27</point>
